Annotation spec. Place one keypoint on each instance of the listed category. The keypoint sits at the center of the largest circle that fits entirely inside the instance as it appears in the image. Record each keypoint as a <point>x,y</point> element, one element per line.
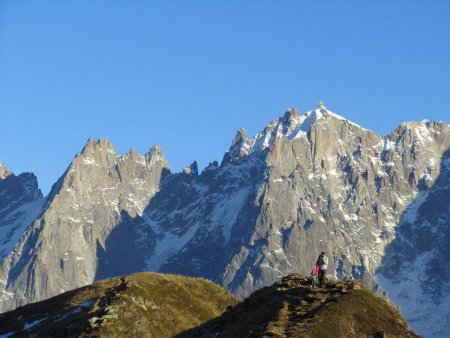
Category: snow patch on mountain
<point>168,245</point>
<point>226,211</point>
<point>425,316</point>
<point>411,213</point>
<point>305,123</point>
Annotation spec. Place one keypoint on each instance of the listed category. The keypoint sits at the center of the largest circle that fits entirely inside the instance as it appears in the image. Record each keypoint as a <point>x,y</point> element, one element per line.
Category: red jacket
<point>315,270</point>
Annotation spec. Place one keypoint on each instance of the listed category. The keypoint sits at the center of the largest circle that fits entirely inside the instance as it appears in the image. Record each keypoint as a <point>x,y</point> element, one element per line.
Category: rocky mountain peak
<point>93,146</point>
<point>290,120</point>
<point>239,148</point>
<point>133,153</point>
<point>241,136</point>
<point>155,156</point>
<point>4,172</point>
<point>23,187</point>
<point>155,151</point>
<point>321,105</point>
<point>292,114</point>
<point>192,169</point>
<point>21,201</point>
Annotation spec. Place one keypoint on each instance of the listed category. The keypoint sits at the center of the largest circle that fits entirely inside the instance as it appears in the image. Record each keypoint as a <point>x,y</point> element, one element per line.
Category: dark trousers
<point>321,276</point>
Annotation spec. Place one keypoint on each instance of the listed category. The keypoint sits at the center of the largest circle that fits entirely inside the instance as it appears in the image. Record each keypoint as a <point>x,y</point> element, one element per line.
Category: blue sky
<point>188,74</point>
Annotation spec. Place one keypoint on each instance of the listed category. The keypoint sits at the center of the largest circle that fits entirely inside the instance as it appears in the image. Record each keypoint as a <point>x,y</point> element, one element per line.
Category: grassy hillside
<point>139,305</point>
<point>290,308</point>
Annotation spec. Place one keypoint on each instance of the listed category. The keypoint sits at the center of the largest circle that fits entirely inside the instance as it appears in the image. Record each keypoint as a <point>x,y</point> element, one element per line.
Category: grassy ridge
<point>291,308</point>
<point>139,305</point>
<point>160,305</point>
<point>359,312</point>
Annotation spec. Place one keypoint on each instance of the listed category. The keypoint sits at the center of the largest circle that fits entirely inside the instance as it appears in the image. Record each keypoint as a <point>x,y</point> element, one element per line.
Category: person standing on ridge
<point>314,277</point>
<point>322,261</point>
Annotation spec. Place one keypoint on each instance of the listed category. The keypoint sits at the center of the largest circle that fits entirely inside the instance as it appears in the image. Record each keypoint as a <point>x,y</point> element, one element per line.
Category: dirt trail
<point>301,304</point>
<point>284,309</point>
<point>292,308</point>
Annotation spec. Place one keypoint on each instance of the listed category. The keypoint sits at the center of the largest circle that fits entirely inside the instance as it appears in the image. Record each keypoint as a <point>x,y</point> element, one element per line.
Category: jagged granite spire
<point>239,147</point>
<point>191,170</point>
<point>292,114</point>
<point>155,152</point>
<point>86,231</point>
<point>92,146</point>
<point>4,172</point>
<point>241,137</point>
<point>321,105</point>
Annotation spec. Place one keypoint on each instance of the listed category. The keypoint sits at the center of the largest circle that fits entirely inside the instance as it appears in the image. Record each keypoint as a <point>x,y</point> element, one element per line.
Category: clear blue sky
<point>189,74</point>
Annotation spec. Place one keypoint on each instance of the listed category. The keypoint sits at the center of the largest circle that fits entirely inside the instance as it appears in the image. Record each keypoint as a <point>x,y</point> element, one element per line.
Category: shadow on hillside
<point>424,233</point>
<point>283,309</point>
<point>247,319</point>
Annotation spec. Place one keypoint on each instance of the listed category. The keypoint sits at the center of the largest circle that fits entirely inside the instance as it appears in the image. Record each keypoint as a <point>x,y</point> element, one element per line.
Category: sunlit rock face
<point>378,206</point>
<point>85,231</point>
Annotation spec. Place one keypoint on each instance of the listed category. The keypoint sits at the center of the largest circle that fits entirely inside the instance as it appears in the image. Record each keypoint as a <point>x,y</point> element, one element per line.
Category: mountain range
<point>378,206</point>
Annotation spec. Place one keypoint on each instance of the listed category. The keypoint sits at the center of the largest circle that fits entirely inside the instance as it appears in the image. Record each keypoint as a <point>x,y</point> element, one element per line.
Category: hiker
<point>314,276</point>
<point>322,262</point>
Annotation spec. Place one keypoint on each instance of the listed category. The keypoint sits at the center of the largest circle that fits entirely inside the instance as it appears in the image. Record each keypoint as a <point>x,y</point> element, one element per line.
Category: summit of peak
<point>133,153</point>
<point>155,149</point>
<point>93,146</point>
<point>291,114</point>
<point>241,136</point>
<point>104,143</point>
<point>4,172</point>
<point>89,146</point>
<point>321,105</point>
<point>155,153</point>
<point>192,169</point>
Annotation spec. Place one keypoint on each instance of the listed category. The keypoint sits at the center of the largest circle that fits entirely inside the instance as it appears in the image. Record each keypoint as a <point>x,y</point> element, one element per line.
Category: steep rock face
<point>200,222</point>
<point>85,232</point>
<point>415,270</point>
<point>307,183</point>
<point>20,203</point>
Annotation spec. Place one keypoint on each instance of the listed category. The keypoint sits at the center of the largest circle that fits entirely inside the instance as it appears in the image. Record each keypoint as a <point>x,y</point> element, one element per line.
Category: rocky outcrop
<point>4,172</point>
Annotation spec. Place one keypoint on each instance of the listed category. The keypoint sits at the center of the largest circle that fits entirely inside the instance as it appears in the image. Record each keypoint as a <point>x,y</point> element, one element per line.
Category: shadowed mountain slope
<point>139,305</point>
